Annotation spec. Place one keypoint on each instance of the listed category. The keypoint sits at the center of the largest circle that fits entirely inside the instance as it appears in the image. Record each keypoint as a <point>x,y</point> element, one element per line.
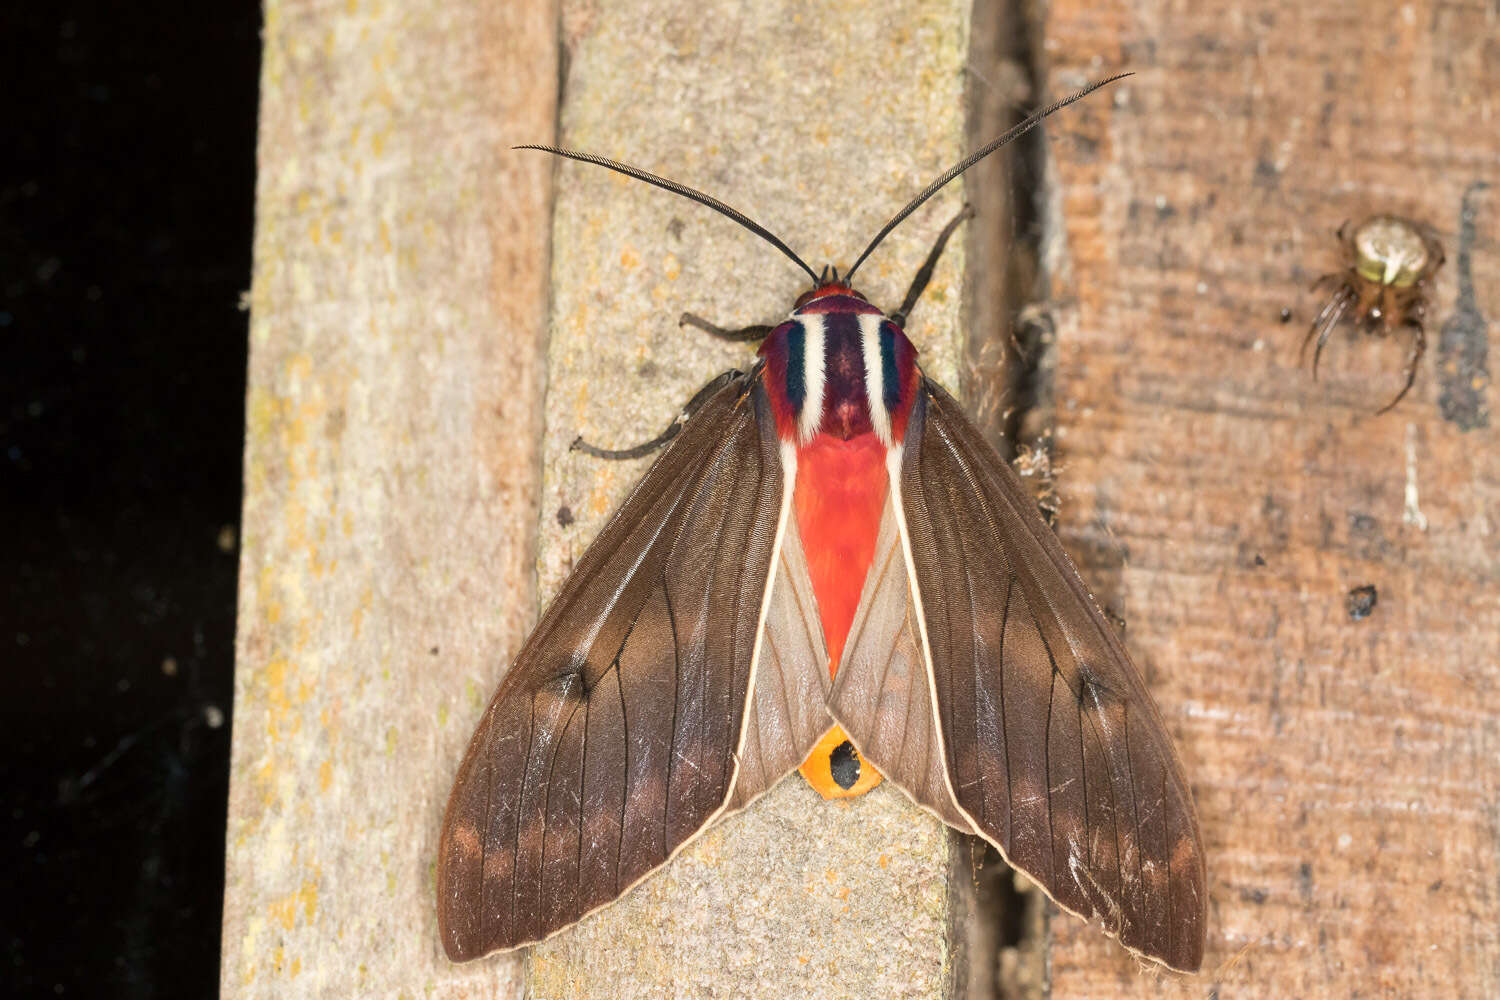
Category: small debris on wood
<point>1361,602</point>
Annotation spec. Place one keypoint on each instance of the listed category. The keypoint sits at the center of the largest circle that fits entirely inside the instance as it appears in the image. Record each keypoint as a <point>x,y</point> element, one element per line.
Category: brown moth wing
<point>1053,749</point>
<point>617,736</point>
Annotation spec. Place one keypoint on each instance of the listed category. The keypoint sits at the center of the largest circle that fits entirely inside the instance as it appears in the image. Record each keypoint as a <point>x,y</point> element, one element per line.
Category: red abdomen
<point>840,493</point>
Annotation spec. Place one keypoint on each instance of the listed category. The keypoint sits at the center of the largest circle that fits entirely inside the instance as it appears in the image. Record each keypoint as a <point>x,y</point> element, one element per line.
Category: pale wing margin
<point>614,739</point>
<point>881,693</point>
<point>1053,749</point>
<point>789,683</point>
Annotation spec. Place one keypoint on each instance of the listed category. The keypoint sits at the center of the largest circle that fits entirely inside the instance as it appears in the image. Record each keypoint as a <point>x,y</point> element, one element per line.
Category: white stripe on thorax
<point>814,346</point>
<point>869,344</point>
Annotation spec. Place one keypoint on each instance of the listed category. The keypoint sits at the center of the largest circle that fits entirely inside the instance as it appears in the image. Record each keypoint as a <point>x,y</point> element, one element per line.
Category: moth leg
<point>924,273</point>
<point>661,440</point>
<point>1418,345</point>
<point>742,335</point>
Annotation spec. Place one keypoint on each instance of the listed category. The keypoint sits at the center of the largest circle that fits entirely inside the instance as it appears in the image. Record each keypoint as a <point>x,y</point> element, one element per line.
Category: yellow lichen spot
<point>299,366</point>
<point>278,958</point>
<point>599,504</point>
<point>385,236</point>
<point>275,673</point>
<point>283,912</point>
<point>264,783</point>
<point>671,267</point>
<point>365,600</point>
<point>390,741</point>
<point>308,897</point>
<point>296,967</point>
<point>442,715</point>
<point>315,232</point>
<point>629,258</point>
<point>885,861</point>
<point>325,775</point>
<point>263,410</point>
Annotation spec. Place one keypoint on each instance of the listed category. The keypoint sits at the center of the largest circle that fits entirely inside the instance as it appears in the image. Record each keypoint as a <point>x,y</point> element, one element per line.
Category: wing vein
<point>515,862</point>
<point>666,799</point>
<point>624,785</point>
<point>1135,800</point>
<point>562,734</point>
<point>583,766</point>
<point>1010,792</point>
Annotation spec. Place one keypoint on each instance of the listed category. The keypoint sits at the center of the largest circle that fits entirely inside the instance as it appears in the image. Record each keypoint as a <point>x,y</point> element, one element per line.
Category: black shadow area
<point>126,195</point>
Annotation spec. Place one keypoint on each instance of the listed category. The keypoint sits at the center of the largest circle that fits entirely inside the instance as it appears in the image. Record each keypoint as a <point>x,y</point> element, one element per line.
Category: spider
<point>1389,261</point>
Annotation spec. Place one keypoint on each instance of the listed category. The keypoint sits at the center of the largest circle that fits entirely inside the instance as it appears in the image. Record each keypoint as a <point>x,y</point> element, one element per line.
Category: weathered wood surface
<point>392,469</point>
<point>819,121</point>
<point>1347,772</point>
<point>395,454</point>
<point>397,469</point>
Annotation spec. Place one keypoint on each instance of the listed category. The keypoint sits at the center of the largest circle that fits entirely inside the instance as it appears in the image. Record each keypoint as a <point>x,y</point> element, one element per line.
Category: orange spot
<point>819,771</point>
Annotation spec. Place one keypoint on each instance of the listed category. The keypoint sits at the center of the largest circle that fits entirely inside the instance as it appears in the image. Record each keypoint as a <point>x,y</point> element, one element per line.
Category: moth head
<point>828,283</point>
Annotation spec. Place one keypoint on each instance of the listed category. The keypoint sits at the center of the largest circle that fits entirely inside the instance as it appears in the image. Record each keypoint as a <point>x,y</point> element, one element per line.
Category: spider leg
<point>1328,318</point>
<point>1418,345</point>
<point>1332,278</point>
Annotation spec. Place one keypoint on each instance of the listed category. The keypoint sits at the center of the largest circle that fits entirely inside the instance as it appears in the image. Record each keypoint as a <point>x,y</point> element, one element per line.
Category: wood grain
<point>1347,772</point>
<point>391,475</point>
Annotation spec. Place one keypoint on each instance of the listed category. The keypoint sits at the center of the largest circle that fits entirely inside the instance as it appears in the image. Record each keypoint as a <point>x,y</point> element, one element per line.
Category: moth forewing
<point>572,790</point>
<point>1026,650</point>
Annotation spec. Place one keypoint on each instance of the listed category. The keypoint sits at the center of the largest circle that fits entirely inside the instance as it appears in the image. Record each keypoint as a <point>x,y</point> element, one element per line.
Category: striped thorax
<point>838,366</point>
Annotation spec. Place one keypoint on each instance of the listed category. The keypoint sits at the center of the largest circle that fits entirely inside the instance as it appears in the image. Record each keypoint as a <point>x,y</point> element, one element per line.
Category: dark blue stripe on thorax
<point>796,371</point>
<point>888,367</point>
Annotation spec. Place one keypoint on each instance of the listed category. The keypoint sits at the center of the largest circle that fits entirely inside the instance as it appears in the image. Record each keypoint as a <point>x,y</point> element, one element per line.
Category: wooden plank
<point>819,121</point>
<point>1346,771</point>
<point>392,469</point>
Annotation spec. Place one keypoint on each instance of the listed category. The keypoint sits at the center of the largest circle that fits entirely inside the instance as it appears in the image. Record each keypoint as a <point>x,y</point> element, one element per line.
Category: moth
<point>828,568</point>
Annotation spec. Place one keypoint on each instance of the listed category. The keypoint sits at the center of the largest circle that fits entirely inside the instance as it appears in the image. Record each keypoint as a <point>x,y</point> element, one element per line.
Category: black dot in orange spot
<point>843,764</point>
